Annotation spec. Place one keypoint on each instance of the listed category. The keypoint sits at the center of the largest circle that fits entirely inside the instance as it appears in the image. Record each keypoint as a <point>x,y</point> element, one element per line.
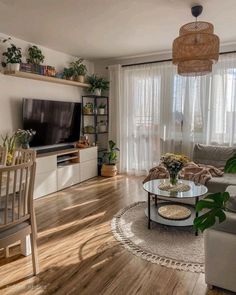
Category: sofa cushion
<point>212,155</point>
<point>220,184</point>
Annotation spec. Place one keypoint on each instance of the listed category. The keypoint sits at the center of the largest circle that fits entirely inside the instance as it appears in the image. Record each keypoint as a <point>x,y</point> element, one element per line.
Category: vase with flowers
<point>174,164</point>
<point>24,137</point>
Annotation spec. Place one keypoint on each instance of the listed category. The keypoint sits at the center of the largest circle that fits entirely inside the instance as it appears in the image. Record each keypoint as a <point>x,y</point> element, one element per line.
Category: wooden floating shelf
<point>32,76</point>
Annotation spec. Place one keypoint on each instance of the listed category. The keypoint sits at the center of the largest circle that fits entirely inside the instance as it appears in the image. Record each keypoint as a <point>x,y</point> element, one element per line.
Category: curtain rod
<point>163,60</point>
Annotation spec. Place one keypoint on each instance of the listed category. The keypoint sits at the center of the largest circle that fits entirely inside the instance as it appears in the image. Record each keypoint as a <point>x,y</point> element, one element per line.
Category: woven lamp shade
<point>196,49</point>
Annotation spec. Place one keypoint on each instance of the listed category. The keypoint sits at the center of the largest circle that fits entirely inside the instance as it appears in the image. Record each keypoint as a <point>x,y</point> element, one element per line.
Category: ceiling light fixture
<point>196,48</point>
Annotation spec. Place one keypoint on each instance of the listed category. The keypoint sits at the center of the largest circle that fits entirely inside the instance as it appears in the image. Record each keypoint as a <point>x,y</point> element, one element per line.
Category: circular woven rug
<point>173,247</point>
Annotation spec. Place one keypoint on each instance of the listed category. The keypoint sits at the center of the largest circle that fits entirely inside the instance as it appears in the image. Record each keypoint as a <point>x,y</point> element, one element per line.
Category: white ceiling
<point>96,29</point>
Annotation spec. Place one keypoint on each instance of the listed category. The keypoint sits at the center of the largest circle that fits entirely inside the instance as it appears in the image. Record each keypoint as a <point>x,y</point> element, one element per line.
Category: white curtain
<point>160,111</point>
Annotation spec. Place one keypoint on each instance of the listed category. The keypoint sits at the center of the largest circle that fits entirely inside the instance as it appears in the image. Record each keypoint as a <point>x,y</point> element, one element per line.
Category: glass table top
<point>196,190</point>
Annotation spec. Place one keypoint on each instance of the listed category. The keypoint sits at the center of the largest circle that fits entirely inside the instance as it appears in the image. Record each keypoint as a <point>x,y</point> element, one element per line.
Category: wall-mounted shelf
<point>32,76</point>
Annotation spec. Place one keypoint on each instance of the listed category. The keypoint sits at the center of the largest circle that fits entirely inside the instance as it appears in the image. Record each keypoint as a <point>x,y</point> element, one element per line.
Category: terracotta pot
<point>108,170</point>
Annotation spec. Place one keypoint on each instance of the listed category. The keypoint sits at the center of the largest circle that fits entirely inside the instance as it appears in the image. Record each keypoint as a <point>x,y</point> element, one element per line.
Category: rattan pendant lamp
<point>196,48</point>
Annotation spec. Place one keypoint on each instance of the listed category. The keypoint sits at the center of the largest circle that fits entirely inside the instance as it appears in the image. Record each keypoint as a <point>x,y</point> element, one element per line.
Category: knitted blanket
<point>198,173</point>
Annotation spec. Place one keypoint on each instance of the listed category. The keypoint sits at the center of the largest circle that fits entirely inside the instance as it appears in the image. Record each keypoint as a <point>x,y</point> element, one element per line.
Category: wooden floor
<point>78,254</point>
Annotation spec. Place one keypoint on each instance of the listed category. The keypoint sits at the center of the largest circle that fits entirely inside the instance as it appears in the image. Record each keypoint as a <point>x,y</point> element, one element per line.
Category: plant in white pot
<point>79,69</point>
<point>101,108</point>
<point>109,168</point>
<point>97,85</point>
<point>102,126</point>
<point>12,56</point>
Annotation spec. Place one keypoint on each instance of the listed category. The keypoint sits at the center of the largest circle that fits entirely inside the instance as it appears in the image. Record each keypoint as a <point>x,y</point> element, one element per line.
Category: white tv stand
<point>58,170</point>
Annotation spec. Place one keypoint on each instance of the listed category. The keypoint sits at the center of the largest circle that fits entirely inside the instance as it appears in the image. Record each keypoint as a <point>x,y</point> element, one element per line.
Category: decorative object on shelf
<point>9,142</point>
<point>88,109</point>
<point>79,70</point>
<point>35,55</point>
<point>196,48</point>
<point>174,212</point>
<point>109,168</point>
<point>101,108</point>
<point>13,56</point>
<point>68,74</point>
<point>24,137</point>
<point>97,84</point>
<point>89,129</point>
<point>102,126</point>
<point>174,163</point>
<point>83,142</point>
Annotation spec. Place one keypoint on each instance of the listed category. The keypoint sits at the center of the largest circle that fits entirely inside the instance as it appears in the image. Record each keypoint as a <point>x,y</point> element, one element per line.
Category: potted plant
<point>13,57</point>
<point>35,55</point>
<point>102,127</point>
<point>68,73</point>
<point>101,108</point>
<point>79,69</point>
<point>88,109</point>
<point>109,168</point>
<point>89,129</point>
<point>97,85</point>
<point>24,137</point>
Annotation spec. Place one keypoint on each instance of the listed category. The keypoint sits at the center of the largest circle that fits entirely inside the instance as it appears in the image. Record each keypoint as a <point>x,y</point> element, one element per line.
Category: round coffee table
<point>163,198</point>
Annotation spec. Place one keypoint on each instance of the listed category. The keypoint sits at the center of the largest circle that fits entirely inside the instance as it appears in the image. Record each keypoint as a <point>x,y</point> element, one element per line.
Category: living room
<point>117,147</point>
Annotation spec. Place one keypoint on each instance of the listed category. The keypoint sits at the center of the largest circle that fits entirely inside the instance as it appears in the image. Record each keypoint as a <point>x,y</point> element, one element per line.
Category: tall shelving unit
<point>96,136</point>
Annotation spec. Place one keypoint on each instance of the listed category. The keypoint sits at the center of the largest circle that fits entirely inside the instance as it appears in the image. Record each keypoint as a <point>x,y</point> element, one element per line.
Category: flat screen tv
<point>55,122</point>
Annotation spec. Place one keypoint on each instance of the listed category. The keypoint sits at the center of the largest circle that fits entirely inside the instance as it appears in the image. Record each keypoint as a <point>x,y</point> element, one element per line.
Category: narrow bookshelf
<point>38,77</point>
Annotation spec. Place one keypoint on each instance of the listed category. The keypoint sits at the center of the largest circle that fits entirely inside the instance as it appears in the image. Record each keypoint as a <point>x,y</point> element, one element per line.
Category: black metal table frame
<point>156,198</point>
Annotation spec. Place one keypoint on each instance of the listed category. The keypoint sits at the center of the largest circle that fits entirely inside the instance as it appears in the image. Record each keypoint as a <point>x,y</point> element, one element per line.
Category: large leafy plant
<point>110,157</point>
<point>12,54</point>
<point>230,166</point>
<point>35,55</point>
<point>78,67</point>
<point>67,73</point>
<point>97,83</point>
<point>215,206</point>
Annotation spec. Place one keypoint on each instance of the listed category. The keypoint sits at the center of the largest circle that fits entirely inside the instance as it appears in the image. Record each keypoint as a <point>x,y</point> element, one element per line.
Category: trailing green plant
<point>12,54</point>
<point>35,55</point>
<point>67,73</point>
<point>110,157</point>
<point>230,166</point>
<point>97,83</point>
<point>78,67</point>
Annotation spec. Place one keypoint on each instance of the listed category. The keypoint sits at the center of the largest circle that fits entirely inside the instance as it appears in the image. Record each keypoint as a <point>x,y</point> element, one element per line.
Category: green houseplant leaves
<point>110,157</point>
<point>214,204</point>
<point>230,166</point>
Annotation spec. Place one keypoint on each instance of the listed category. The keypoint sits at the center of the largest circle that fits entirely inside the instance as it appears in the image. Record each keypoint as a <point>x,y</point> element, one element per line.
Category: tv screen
<point>55,122</point>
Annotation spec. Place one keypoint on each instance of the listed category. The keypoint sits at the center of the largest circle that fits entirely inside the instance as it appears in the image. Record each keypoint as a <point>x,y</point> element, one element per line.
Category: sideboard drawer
<point>46,164</point>
<point>88,154</point>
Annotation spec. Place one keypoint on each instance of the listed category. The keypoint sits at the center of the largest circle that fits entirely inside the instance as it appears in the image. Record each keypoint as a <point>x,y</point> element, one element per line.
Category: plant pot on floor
<point>108,170</point>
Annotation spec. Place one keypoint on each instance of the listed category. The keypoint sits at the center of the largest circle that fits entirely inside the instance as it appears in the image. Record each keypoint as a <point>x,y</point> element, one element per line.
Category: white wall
<point>13,89</point>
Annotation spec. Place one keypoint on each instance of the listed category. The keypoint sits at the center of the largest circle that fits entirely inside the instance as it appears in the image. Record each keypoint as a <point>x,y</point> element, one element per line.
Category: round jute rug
<point>173,247</point>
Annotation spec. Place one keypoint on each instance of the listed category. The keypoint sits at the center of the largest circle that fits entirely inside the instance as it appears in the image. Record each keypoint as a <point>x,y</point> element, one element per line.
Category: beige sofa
<point>216,156</point>
<point>220,245</point>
